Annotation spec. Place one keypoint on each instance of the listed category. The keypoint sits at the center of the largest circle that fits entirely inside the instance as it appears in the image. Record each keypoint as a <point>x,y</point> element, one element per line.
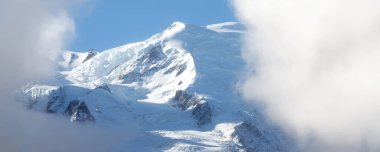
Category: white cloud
<point>316,68</point>
<point>31,33</point>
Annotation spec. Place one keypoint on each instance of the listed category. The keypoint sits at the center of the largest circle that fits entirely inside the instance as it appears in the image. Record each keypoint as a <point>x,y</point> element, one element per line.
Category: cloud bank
<point>315,65</point>
<point>32,33</point>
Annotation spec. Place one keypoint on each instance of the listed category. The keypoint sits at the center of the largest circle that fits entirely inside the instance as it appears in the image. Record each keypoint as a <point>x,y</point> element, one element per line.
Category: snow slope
<point>177,87</point>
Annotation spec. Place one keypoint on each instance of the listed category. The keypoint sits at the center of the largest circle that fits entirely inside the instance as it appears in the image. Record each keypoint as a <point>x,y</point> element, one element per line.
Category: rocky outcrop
<point>201,110</point>
<point>184,100</point>
<point>249,137</point>
<point>255,135</point>
<point>79,112</point>
<point>90,54</point>
<point>202,113</point>
<point>104,87</point>
<point>73,57</point>
<point>61,100</point>
<point>56,101</point>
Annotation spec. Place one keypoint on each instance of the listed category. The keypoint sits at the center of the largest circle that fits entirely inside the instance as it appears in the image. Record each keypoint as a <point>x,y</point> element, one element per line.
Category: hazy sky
<point>105,24</point>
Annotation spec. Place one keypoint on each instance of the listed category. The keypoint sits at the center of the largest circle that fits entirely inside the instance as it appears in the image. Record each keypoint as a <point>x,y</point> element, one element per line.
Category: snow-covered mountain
<point>177,87</point>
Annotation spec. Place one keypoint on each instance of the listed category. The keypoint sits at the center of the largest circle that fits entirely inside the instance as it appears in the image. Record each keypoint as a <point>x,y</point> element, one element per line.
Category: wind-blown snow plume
<point>315,66</point>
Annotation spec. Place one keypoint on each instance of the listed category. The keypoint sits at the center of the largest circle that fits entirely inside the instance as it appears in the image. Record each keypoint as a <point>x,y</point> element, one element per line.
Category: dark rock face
<point>104,87</point>
<point>178,69</point>
<point>90,54</point>
<point>59,101</point>
<point>185,100</point>
<point>247,134</point>
<point>73,57</point>
<point>202,113</point>
<point>56,101</point>
<point>154,56</point>
<point>79,112</point>
<point>250,138</point>
<point>255,135</point>
<point>50,105</point>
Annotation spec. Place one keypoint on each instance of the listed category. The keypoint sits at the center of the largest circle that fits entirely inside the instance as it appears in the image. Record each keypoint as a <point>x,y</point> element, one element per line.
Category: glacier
<point>178,89</point>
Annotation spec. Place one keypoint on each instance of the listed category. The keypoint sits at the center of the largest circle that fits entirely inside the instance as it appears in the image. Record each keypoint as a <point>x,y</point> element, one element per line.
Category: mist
<point>314,65</point>
<point>32,33</point>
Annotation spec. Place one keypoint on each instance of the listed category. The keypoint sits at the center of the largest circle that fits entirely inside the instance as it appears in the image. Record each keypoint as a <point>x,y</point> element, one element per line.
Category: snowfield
<point>177,88</point>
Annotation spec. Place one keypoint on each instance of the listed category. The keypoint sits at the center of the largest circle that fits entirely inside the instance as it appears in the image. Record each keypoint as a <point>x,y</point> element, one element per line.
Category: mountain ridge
<point>178,87</point>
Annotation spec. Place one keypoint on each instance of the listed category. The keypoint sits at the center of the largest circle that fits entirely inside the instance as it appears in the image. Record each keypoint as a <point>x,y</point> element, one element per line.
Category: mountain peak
<point>177,23</point>
<point>177,86</point>
<point>173,29</point>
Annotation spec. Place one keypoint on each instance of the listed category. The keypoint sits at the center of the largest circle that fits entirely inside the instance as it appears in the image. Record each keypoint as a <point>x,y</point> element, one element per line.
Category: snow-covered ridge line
<point>142,64</point>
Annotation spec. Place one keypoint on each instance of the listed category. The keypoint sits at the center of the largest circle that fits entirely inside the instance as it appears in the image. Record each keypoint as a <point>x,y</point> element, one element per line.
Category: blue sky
<point>103,24</point>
